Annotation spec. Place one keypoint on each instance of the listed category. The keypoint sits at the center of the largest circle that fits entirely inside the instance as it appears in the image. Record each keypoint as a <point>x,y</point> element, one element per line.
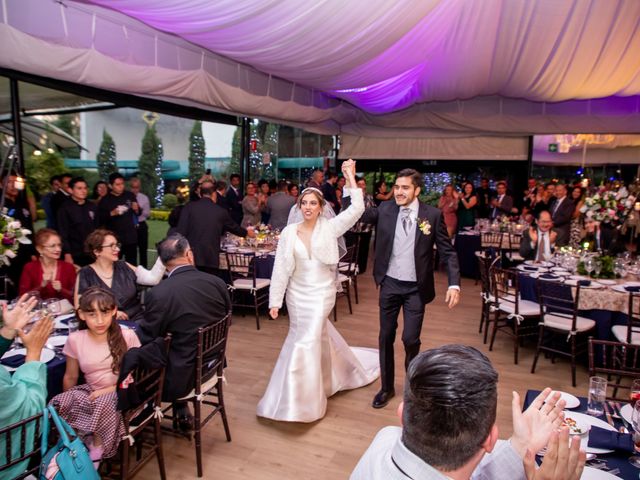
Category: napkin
<point>533,269</point>
<point>13,361</point>
<point>584,283</point>
<point>548,276</point>
<point>632,288</point>
<point>611,440</point>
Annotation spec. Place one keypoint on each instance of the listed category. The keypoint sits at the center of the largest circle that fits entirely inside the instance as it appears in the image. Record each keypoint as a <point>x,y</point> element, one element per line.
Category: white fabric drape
<point>406,68</point>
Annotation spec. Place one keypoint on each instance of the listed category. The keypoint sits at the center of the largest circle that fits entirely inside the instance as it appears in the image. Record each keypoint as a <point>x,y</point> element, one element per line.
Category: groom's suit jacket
<point>385,217</point>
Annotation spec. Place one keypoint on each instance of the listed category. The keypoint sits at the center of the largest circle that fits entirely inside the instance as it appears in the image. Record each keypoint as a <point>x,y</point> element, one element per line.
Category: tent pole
<point>245,138</point>
<point>17,126</point>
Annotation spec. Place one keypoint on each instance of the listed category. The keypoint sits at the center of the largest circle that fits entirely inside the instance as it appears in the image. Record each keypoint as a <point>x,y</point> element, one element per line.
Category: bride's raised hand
<point>273,312</point>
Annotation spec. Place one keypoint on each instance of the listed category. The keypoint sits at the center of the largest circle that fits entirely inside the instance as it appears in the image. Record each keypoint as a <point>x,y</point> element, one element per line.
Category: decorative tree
<point>158,170</point>
<point>150,164</point>
<point>39,168</point>
<point>196,152</point>
<point>107,156</point>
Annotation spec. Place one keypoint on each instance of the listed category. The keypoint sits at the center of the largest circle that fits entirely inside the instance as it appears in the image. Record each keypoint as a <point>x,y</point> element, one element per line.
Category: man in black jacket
<point>185,301</point>
<point>233,198</point>
<point>561,212</point>
<point>406,231</point>
<point>203,223</point>
<point>118,211</point>
<point>77,218</point>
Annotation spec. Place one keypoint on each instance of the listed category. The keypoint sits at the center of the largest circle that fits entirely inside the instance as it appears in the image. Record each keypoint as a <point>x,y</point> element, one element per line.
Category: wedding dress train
<point>315,361</point>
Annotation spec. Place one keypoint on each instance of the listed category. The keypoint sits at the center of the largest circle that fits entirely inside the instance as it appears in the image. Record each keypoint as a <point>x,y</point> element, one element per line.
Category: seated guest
<point>187,300</point>
<point>606,239</point>
<point>118,276</point>
<point>448,424</point>
<point>539,242</point>
<point>77,218</point>
<point>24,393</point>
<point>47,274</point>
<point>278,206</point>
<point>96,350</point>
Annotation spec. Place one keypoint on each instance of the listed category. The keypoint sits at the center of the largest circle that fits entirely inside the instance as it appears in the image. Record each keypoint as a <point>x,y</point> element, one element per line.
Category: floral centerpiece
<point>11,236</point>
<point>262,232</point>
<point>609,207</point>
<point>605,272</point>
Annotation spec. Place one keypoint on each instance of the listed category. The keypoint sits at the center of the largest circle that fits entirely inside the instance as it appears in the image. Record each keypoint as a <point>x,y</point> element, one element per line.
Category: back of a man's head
<point>207,188</point>
<point>172,250</point>
<point>450,400</point>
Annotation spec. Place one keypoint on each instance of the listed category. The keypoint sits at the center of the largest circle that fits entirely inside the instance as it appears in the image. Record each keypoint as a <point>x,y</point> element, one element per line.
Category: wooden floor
<point>331,447</point>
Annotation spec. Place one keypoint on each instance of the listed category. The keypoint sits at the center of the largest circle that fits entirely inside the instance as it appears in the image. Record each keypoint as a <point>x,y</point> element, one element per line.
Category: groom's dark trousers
<point>396,294</point>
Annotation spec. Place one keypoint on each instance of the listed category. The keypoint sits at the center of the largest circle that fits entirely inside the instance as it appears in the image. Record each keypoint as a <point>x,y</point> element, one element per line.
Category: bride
<point>315,361</point>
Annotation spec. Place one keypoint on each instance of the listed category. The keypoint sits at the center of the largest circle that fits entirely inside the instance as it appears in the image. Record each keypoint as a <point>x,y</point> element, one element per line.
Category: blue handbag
<point>73,458</point>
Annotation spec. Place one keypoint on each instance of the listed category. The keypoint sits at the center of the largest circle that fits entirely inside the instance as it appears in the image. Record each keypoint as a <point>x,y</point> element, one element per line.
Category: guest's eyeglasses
<point>53,246</point>
<point>112,246</point>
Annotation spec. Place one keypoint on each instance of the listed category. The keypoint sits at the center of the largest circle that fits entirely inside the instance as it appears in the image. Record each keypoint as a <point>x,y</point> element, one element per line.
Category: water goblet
<point>597,268</point>
<point>597,396</point>
<point>589,265</point>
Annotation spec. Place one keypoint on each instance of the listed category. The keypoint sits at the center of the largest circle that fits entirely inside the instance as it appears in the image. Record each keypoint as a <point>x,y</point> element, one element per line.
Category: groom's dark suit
<point>409,295</point>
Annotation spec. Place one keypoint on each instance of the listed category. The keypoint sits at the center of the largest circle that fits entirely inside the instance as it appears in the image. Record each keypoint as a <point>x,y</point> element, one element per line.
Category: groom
<point>406,232</point>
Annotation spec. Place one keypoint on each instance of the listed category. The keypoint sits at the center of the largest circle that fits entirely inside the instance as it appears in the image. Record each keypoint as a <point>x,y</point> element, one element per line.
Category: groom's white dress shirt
<point>388,459</point>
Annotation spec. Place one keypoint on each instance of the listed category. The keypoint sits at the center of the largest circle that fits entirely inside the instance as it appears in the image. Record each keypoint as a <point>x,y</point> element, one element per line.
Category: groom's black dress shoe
<point>382,398</point>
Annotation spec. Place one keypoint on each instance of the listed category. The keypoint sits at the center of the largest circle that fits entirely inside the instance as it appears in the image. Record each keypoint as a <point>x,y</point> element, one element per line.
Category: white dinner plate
<point>57,341</point>
<point>557,279</point>
<point>621,289</point>
<point>578,277</point>
<point>576,425</point>
<point>590,473</point>
<point>626,411</point>
<point>59,324</point>
<point>528,268</point>
<point>66,316</point>
<point>538,264</point>
<point>592,285</point>
<point>606,281</point>
<point>592,421</point>
<point>571,401</point>
<point>46,356</point>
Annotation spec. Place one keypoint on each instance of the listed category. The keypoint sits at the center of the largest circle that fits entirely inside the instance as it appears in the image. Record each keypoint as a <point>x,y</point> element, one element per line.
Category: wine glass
<point>597,268</point>
<point>589,265</point>
<point>635,420</point>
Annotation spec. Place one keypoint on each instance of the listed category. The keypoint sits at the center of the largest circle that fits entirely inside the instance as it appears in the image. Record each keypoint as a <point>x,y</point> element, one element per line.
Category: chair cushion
<point>620,332</point>
<point>342,277</point>
<point>561,322</point>
<point>247,284</point>
<point>204,388</point>
<point>526,308</point>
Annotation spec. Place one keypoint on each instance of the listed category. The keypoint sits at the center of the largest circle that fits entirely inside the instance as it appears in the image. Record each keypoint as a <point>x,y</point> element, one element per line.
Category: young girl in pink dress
<point>96,350</point>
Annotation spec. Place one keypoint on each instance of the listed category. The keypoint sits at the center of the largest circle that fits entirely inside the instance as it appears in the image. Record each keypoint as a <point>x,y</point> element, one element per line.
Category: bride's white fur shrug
<point>324,244</point>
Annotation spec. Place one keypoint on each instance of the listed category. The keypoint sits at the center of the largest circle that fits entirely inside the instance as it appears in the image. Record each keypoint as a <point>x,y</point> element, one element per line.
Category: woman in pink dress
<point>448,203</point>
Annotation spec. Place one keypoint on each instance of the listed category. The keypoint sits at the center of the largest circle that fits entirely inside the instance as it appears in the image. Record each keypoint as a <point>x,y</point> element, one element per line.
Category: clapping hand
<point>349,172</point>
<point>17,318</point>
<point>533,427</point>
<point>563,461</point>
<point>36,338</point>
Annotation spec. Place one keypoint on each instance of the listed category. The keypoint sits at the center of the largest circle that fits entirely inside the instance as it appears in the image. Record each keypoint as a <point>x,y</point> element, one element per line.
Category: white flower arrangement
<point>11,236</point>
<point>424,226</point>
<point>608,207</point>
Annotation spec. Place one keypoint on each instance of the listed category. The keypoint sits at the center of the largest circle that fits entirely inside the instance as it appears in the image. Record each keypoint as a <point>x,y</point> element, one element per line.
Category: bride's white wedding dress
<point>315,361</point>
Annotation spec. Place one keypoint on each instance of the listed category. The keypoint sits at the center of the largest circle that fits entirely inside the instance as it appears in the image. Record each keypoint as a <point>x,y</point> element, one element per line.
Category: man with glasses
<point>77,218</point>
<point>118,211</point>
<point>539,242</point>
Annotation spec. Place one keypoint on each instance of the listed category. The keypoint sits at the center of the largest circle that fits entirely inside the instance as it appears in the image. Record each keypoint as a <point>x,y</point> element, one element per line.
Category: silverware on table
<point>624,421</point>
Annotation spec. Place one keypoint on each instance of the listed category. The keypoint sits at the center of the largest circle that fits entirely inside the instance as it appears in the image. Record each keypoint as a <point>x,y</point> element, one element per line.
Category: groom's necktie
<point>406,220</point>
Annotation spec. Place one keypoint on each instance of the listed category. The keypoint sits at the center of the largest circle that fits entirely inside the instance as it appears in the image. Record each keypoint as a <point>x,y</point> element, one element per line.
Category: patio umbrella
<point>40,133</point>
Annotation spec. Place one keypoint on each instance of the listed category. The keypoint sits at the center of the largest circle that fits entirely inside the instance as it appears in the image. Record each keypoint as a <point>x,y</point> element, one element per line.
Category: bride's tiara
<point>310,189</point>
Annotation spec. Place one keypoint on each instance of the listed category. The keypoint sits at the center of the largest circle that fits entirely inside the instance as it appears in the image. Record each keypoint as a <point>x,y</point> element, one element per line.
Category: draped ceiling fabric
<point>446,70</point>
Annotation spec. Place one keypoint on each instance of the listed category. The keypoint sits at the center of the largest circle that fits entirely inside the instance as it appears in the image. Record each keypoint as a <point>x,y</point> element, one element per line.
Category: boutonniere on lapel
<point>424,226</point>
